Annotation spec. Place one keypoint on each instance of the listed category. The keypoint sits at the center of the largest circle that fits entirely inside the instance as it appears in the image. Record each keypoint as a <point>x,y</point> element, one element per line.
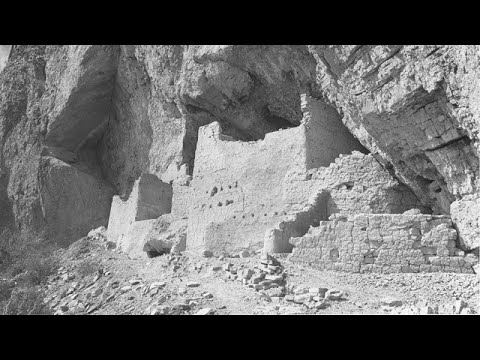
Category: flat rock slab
<point>193,284</point>
<point>205,311</point>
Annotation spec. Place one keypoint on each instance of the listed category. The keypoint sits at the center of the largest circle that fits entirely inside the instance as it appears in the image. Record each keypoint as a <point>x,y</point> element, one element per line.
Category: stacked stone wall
<point>383,243</point>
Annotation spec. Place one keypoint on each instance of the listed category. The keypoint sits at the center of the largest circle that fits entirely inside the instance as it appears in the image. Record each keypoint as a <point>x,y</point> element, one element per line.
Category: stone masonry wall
<point>357,183</point>
<point>353,184</point>
<point>383,243</point>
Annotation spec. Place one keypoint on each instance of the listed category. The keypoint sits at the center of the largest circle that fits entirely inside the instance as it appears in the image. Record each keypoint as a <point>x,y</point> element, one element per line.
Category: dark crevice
<point>388,79</point>
<point>360,93</point>
<point>386,165</point>
<point>276,121</point>
<point>419,181</point>
<point>192,109</point>
<point>154,253</point>
<point>328,66</point>
<point>356,54</point>
<point>12,48</point>
<point>375,69</point>
<point>464,137</point>
<point>433,52</point>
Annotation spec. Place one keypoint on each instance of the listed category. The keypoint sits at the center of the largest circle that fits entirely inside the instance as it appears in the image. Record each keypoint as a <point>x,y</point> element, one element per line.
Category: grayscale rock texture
<point>232,147</point>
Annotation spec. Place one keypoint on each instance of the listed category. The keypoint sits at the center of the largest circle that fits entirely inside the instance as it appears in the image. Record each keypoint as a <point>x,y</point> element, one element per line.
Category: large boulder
<point>466,216</point>
<point>72,201</point>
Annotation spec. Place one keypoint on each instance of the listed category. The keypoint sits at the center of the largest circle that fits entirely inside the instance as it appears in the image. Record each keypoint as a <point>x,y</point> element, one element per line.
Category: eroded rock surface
<point>73,202</point>
<point>416,107</point>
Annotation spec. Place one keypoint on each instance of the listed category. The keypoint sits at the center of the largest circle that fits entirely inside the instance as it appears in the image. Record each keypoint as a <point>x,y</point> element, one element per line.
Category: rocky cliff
<point>80,124</point>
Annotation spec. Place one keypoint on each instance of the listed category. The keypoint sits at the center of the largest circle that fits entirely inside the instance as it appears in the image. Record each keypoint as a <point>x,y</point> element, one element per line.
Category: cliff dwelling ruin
<point>312,189</point>
<point>338,156</point>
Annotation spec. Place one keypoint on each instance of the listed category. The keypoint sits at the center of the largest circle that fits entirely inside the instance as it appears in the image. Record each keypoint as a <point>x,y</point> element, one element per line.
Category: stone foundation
<point>383,243</point>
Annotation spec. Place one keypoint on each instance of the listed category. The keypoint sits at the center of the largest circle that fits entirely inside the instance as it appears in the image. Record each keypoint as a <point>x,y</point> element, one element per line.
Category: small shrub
<point>39,268</point>
<point>27,301</point>
<point>27,252</point>
<point>27,256</point>
<point>81,248</point>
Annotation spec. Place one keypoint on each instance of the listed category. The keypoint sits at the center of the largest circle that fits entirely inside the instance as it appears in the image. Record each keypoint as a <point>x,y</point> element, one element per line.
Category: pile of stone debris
<point>267,285</point>
<point>269,279</point>
<point>88,295</point>
<point>79,295</point>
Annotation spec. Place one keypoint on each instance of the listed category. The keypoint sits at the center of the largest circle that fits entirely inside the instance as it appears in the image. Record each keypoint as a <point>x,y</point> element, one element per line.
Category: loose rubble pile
<point>100,234</point>
<point>435,288</point>
<point>86,286</point>
<point>269,276</point>
<point>87,295</point>
<point>397,307</point>
<point>270,280</point>
<point>96,280</point>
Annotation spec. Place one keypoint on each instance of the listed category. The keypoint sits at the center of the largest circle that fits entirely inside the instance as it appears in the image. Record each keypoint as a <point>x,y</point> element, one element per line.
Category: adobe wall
<point>181,200</point>
<point>383,243</point>
<point>154,197</point>
<point>238,186</point>
<point>149,199</point>
<point>239,189</point>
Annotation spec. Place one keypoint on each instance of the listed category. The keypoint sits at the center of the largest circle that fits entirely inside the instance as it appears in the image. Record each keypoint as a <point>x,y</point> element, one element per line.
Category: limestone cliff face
<point>417,109</point>
<point>82,123</point>
<point>22,84</point>
<point>146,130</point>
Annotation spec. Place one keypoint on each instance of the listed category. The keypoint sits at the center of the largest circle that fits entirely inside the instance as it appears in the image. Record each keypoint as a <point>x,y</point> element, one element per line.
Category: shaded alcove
<point>326,136</point>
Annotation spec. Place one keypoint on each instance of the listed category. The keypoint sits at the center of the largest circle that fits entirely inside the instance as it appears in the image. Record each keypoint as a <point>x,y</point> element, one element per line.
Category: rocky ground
<point>93,279</point>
